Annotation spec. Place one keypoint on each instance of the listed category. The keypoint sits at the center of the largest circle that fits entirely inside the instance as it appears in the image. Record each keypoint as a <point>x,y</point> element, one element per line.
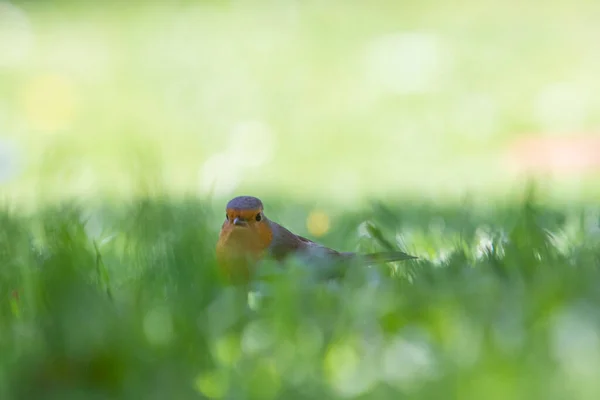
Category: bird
<point>248,236</point>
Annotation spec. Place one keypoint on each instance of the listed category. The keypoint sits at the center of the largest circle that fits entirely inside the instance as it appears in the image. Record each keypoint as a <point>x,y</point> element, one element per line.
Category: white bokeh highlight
<point>476,116</point>
<point>404,63</point>
<point>9,161</point>
<point>349,373</point>
<point>257,337</point>
<point>561,106</point>
<point>220,175</point>
<point>575,343</point>
<point>86,56</point>
<point>251,144</point>
<point>16,36</point>
<point>407,363</point>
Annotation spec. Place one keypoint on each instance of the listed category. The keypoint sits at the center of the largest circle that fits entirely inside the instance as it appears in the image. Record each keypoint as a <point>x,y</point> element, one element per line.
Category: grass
<point>313,106</point>
<point>125,301</point>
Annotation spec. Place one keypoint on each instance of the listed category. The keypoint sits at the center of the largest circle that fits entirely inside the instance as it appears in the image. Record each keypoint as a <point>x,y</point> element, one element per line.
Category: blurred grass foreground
<point>118,120</point>
<point>126,302</point>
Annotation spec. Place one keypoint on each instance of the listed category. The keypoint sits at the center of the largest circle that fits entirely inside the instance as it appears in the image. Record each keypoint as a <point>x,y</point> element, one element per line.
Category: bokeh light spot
<point>476,116</point>
<point>220,175</point>
<point>343,372</point>
<point>158,326</point>
<point>363,229</point>
<point>16,36</point>
<point>561,106</point>
<point>406,362</point>
<point>404,63</point>
<point>257,337</point>
<point>8,161</point>
<point>345,185</point>
<point>576,343</point>
<point>265,381</point>
<point>254,300</point>
<point>49,102</point>
<point>317,223</point>
<point>251,143</point>
<point>227,350</point>
<point>85,56</point>
<point>213,384</point>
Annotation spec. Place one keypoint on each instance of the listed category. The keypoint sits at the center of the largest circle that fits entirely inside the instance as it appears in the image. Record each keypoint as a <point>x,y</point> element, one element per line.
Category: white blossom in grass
<point>442,256</point>
<point>488,241</point>
<point>485,243</point>
<point>404,239</point>
<point>560,241</point>
<point>363,230</point>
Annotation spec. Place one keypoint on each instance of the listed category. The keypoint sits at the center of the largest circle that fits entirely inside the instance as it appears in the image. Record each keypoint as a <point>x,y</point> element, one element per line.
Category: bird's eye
<point>258,217</point>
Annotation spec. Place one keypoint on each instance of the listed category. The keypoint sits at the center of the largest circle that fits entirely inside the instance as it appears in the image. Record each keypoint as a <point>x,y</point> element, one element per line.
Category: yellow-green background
<point>302,103</point>
<point>311,99</point>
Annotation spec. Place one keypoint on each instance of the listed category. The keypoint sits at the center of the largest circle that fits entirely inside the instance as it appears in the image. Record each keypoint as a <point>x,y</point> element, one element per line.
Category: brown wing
<point>372,258</point>
<point>285,243</point>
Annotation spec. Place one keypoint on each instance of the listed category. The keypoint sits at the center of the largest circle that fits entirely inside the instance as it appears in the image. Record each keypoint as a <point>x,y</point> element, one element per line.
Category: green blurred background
<point>366,125</point>
<point>331,100</point>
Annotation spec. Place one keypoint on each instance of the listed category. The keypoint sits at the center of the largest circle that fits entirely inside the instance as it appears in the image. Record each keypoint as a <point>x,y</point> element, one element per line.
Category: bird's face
<point>244,219</point>
<point>247,229</point>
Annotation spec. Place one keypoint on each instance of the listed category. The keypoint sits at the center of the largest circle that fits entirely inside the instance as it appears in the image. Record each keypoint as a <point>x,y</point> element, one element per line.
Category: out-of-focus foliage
<point>125,302</point>
<point>331,99</point>
<point>316,100</point>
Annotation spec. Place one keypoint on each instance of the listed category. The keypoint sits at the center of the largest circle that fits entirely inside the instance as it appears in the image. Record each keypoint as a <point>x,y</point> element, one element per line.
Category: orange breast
<point>238,251</point>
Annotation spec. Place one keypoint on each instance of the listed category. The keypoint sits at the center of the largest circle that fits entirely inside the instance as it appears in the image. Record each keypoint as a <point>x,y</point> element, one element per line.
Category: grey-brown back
<point>285,243</point>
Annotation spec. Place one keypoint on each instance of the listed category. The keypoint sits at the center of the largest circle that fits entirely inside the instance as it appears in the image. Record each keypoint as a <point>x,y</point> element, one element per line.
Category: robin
<point>247,236</point>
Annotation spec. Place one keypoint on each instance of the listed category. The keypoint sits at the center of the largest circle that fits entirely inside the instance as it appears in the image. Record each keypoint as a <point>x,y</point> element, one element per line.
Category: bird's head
<point>245,212</point>
<point>244,218</point>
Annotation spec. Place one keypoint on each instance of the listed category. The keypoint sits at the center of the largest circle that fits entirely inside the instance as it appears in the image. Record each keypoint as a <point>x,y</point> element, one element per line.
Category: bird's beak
<point>239,222</point>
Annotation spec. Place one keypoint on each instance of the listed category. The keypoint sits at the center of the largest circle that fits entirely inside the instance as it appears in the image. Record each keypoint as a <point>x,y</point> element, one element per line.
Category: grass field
<point>126,302</point>
<point>126,126</point>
